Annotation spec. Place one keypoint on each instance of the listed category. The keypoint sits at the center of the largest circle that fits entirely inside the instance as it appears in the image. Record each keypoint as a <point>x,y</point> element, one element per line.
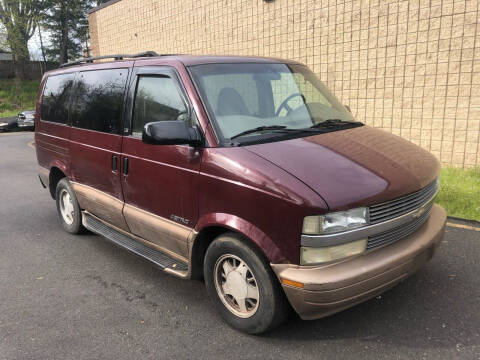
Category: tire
<point>68,209</point>
<point>234,296</point>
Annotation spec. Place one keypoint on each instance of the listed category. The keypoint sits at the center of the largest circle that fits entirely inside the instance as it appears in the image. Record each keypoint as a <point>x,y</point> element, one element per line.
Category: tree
<point>19,17</point>
<point>3,40</point>
<point>67,23</point>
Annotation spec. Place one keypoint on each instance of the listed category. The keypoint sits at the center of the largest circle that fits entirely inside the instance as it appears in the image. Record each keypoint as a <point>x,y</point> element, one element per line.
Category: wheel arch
<point>211,226</point>
<point>54,177</point>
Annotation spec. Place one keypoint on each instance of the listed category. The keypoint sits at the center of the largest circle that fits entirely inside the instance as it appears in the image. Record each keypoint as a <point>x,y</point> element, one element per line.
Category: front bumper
<point>334,287</point>
<point>25,122</point>
<point>28,124</point>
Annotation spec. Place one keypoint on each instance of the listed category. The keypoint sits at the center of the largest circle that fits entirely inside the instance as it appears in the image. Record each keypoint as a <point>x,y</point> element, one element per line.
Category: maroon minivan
<point>244,171</point>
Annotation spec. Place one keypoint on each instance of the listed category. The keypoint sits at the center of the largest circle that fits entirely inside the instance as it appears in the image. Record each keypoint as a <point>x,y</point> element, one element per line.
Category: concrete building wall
<point>409,67</point>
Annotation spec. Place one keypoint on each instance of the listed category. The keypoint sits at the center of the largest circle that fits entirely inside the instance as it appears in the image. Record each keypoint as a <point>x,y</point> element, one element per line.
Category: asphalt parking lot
<point>80,297</point>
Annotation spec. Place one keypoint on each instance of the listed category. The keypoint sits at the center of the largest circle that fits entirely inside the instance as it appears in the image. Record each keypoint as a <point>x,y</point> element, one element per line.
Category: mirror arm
<point>196,139</point>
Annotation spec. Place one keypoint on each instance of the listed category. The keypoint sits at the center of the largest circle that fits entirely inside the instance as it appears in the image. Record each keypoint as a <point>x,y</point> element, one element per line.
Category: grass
<point>16,96</point>
<point>460,192</point>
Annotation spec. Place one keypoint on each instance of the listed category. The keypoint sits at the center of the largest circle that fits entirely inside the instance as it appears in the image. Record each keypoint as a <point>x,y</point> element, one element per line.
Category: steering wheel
<point>285,105</point>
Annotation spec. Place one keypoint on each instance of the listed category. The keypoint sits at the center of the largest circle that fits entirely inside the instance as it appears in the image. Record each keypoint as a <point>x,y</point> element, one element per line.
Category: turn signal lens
<point>292,283</point>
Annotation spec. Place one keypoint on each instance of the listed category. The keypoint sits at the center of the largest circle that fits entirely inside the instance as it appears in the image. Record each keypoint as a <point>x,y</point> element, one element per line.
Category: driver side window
<point>290,84</point>
<point>156,99</point>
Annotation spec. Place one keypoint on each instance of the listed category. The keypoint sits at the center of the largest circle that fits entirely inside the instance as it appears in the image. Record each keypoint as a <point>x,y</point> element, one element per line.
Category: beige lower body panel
<point>152,230</point>
<point>100,204</point>
<point>335,287</point>
<point>158,230</point>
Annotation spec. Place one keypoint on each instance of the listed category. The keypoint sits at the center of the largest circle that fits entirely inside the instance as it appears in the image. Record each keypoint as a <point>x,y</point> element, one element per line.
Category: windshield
<point>265,98</point>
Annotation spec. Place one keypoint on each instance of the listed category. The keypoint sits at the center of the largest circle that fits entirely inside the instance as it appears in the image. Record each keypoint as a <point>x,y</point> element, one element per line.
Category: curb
<point>474,223</point>
<point>461,226</point>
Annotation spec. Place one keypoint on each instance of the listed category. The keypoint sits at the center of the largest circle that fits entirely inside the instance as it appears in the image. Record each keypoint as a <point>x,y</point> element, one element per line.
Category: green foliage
<point>16,96</point>
<point>460,192</point>
<point>67,23</point>
<point>19,18</point>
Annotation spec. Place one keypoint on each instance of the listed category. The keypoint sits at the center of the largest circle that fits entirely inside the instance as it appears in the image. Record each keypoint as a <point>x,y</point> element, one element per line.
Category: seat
<point>230,102</point>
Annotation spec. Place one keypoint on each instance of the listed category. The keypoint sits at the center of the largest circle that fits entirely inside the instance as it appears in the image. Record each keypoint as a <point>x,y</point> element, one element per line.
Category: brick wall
<point>409,67</point>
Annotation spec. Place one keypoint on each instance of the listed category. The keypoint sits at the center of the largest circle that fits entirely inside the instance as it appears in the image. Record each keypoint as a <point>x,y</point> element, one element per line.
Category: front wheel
<point>68,208</point>
<point>242,286</point>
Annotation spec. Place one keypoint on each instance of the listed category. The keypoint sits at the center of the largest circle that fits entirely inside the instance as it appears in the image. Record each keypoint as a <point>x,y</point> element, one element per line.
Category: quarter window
<point>157,99</point>
<point>98,100</point>
<point>56,96</point>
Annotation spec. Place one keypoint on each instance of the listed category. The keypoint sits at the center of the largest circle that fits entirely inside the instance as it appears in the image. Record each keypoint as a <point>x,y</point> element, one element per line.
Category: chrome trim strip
<point>364,232</point>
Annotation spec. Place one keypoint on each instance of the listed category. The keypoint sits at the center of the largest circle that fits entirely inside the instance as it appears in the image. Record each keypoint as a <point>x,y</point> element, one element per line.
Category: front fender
<point>247,229</point>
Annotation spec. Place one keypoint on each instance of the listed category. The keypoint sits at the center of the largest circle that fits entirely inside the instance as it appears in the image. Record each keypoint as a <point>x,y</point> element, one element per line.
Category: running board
<point>160,259</point>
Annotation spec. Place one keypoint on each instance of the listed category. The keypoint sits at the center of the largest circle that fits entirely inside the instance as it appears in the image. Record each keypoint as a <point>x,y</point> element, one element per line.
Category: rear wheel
<point>68,208</point>
<point>242,286</point>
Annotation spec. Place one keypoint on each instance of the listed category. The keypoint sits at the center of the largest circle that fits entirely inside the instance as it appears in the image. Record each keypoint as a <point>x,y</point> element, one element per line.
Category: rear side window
<point>97,102</point>
<point>157,99</point>
<point>56,97</point>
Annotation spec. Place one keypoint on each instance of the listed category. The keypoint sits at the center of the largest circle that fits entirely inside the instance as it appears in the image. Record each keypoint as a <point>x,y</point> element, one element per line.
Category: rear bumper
<point>332,288</point>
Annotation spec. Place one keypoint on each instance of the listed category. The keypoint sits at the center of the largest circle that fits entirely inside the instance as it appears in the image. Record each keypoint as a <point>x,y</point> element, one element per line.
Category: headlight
<point>317,255</point>
<point>3,124</point>
<point>335,222</point>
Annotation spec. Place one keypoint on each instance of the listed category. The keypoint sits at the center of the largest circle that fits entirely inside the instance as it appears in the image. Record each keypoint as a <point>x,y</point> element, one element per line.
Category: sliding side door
<point>96,142</point>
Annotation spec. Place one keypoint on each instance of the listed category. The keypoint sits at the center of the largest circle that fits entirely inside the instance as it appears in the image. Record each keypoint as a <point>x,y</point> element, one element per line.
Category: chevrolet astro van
<point>243,171</point>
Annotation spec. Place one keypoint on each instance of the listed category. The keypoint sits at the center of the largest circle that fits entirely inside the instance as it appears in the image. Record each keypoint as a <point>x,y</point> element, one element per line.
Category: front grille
<point>399,232</point>
<point>397,207</point>
<point>21,119</point>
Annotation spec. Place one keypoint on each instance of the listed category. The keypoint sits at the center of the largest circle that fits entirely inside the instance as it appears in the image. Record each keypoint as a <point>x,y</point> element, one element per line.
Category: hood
<point>355,167</point>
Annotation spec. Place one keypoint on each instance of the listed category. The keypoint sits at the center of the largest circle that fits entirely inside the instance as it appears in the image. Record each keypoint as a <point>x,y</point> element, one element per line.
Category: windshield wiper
<point>281,128</point>
<point>261,128</point>
<point>334,123</point>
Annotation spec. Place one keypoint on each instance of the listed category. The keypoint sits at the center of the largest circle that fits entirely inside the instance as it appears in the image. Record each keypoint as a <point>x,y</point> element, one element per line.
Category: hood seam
<point>288,172</point>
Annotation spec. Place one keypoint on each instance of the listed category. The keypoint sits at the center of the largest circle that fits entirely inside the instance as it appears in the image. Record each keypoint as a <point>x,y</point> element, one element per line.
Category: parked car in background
<point>244,171</point>
<point>7,124</point>
<point>26,120</point>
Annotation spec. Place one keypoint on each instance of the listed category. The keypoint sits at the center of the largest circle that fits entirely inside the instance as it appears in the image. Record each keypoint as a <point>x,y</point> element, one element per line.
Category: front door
<point>159,181</point>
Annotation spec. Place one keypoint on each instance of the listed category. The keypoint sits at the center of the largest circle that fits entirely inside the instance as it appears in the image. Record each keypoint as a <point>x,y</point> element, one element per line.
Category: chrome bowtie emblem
<point>419,212</point>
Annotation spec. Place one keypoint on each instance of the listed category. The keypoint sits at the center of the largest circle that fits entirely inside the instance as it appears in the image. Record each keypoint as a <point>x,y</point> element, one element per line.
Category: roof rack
<point>115,57</point>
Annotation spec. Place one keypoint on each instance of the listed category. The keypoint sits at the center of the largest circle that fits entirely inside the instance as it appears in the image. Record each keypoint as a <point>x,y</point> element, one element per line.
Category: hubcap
<point>236,286</point>
<point>66,207</point>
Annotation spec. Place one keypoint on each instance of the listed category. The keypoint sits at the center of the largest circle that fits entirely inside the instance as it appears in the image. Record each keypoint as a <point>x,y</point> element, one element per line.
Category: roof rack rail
<point>115,57</point>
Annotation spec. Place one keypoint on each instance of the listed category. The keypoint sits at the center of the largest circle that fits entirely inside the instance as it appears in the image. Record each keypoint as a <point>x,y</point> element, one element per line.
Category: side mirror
<point>171,133</point>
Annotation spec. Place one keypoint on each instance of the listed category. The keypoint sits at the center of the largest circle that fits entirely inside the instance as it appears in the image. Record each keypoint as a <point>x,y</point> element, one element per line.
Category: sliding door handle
<point>125,166</point>
<point>114,163</point>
